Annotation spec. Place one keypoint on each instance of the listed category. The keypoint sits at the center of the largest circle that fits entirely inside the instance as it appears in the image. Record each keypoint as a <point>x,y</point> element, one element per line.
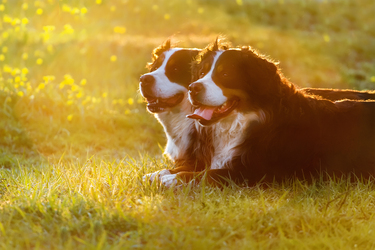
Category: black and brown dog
<point>264,128</point>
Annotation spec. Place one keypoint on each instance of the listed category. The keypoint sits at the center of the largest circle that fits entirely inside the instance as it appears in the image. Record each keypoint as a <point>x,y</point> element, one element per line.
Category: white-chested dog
<point>165,89</point>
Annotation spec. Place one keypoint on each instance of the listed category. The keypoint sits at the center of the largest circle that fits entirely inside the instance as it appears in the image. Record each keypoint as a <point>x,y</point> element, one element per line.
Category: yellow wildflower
<point>119,29</point>
<point>68,29</point>
<point>66,8</point>
<point>49,28</point>
<point>130,101</point>
<point>41,86</point>
<point>74,87</point>
<point>79,94</point>
<point>7,19</point>
<point>15,21</point>
<point>74,11</point>
<point>83,10</point>
<point>15,71</point>
<point>7,69</point>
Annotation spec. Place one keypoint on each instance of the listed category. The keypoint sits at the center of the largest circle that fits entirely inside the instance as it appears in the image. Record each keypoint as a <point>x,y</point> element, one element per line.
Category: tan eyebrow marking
<point>220,68</point>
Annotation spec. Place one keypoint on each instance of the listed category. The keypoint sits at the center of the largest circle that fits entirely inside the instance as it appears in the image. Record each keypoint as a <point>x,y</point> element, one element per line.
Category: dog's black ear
<point>261,72</point>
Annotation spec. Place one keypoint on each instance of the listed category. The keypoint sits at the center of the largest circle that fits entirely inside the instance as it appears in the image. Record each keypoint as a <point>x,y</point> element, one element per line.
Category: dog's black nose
<point>195,88</point>
<point>147,80</point>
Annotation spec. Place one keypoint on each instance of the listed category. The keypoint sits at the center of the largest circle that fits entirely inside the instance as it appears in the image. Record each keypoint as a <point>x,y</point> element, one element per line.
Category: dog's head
<point>228,79</point>
<point>166,84</point>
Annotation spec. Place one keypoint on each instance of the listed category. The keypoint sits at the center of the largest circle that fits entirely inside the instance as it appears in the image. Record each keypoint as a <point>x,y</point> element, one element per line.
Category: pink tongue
<point>203,112</point>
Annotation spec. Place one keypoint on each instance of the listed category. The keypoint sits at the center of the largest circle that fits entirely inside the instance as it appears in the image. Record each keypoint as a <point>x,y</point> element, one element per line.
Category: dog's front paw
<point>169,180</point>
<point>156,175</point>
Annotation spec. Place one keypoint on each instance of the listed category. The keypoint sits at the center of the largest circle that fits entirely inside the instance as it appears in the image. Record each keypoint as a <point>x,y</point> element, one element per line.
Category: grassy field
<point>75,138</point>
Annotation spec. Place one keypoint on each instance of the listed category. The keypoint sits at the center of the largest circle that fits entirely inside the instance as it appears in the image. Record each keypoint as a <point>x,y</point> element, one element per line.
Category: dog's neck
<point>178,129</point>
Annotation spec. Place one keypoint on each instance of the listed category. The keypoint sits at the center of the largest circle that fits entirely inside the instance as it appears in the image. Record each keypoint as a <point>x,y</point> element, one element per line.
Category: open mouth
<point>158,105</point>
<point>208,115</point>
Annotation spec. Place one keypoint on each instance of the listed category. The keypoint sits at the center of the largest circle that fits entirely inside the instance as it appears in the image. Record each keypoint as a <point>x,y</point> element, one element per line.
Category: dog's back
<point>348,138</point>
<point>340,94</point>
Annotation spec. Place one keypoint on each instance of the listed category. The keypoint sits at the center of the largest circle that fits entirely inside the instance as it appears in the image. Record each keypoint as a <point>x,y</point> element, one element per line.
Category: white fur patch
<point>212,95</point>
<point>158,174</point>
<point>228,134</point>
<point>163,87</point>
<point>169,180</point>
<point>178,130</point>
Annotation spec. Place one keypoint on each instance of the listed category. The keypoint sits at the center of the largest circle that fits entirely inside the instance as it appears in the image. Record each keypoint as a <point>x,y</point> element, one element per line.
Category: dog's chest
<point>178,130</point>
<point>228,135</point>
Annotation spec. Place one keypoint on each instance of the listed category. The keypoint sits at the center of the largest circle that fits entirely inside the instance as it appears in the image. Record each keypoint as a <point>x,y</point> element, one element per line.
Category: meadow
<point>76,139</point>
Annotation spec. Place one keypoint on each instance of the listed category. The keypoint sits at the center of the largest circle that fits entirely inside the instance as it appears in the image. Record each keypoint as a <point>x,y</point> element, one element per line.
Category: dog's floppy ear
<point>166,45</point>
<point>262,72</point>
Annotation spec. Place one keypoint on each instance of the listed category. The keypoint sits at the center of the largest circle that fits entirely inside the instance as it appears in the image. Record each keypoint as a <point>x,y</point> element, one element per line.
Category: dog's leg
<point>159,174</point>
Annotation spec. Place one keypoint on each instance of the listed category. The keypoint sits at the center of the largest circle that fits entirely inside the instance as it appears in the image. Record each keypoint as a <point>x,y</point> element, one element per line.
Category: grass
<point>100,204</point>
<point>75,138</point>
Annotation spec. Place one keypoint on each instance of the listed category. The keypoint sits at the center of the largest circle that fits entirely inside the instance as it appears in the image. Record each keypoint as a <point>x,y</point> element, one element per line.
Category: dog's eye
<point>175,69</point>
<point>225,74</point>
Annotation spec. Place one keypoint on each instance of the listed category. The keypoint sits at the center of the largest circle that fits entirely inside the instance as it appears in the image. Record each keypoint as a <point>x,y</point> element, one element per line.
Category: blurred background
<point>69,70</point>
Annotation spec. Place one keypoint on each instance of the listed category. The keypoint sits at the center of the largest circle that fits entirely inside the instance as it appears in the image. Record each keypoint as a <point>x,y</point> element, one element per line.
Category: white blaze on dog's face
<point>211,94</point>
<point>166,85</point>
